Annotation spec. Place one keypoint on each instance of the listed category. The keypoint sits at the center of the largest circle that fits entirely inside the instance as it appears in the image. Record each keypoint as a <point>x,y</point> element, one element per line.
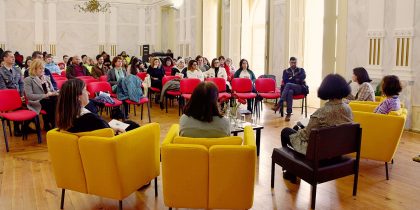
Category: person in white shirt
<point>216,70</point>
<point>193,71</point>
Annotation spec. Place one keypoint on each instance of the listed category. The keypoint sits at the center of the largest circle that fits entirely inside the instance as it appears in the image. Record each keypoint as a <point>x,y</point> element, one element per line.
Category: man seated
<point>50,65</point>
<point>76,69</point>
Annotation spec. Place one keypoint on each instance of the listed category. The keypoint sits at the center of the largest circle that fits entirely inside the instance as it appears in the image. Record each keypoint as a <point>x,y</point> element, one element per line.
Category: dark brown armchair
<point>324,160</point>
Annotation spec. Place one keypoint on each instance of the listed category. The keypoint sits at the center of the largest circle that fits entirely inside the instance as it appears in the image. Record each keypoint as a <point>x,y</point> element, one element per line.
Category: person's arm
<point>300,77</point>
<point>30,92</point>
<point>112,80</point>
<point>48,73</point>
<point>363,93</point>
<point>21,84</point>
<point>69,72</point>
<point>223,74</point>
<point>2,83</point>
<point>252,75</point>
<point>173,72</point>
<point>237,73</point>
<point>383,108</point>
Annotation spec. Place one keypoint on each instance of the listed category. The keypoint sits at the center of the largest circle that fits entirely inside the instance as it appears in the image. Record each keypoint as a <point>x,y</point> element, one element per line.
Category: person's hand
<point>117,131</point>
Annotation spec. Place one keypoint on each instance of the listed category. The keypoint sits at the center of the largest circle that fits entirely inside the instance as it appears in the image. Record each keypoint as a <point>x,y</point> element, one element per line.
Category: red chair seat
<point>299,97</point>
<point>155,89</point>
<point>186,96</point>
<point>245,95</point>
<point>270,95</point>
<point>173,92</point>
<point>116,103</point>
<point>113,95</point>
<point>142,101</point>
<point>224,95</point>
<point>19,115</point>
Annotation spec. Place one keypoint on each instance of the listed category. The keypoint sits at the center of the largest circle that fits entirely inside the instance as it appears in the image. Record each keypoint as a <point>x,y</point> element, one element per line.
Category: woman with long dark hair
<point>202,117</point>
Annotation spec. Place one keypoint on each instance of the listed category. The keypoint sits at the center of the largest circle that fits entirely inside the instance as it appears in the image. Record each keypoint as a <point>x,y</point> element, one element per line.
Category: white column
<point>210,29</point>
<point>101,32</point>
<point>39,26</point>
<point>187,5</point>
<point>376,12</point>
<point>279,42</point>
<point>52,26</point>
<point>3,37</point>
<point>113,28</point>
<point>246,36</point>
<point>153,27</point>
<point>141,30</point>
<point>234,41</point>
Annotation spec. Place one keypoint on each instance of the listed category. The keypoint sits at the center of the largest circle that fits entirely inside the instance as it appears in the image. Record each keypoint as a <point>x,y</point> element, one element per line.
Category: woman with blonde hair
<point>40,93</point>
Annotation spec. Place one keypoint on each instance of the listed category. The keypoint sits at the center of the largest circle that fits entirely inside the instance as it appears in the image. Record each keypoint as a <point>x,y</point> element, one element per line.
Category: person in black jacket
<point>293,84</point>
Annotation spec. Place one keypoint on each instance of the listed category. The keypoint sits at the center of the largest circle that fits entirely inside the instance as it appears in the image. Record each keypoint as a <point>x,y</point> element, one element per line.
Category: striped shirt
<point>390,104</point>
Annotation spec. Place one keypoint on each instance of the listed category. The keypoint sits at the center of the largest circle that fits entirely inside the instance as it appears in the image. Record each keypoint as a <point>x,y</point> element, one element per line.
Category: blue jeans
<point>290,89</point>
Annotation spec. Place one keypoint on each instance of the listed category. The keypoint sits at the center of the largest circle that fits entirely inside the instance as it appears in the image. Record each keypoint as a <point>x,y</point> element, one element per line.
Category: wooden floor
<point>27,181</point>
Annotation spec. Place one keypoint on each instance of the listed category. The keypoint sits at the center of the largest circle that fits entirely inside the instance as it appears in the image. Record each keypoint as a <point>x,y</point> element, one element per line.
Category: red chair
<point>60,83</point>
<point>142,101</point>
<point>266,88</point>
<point>303,105</point>
<point>103,78</point>
<point>173,93</point>
<point>242,89</point>
<point>186,87</point>
<point>89,80</point>
<point>96,87</point>
<point>63,73</point>
<point>85,77</point>
<point>9,112</point>
<point>59,78</point>
<point>142,75</point>
<point>221,85</point>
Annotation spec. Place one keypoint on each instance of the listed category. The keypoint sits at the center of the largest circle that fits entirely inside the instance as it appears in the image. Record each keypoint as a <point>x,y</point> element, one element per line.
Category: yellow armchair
<point>381,133</point>
<point>102,164</point>
<point>208,172</point>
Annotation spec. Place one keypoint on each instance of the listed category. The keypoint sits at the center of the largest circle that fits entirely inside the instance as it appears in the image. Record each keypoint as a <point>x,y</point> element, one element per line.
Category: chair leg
<point>141,114</point>
<point>148,111</point>
<point>170,208</point>
<point>38,129</point>
<point>63,193</point>
<point>156,187</point>
<point>166,104</point>
<point>134,107</point>
<point>306,107</point>
<point>386,171</point>
<point>356,179</point>
<point>313,198</point>
<point>10,127</point>
<point>5,135</point>
<point>120,204</point>
<point>273,168</point>
<point>392,161</point>
<point>301,109</point>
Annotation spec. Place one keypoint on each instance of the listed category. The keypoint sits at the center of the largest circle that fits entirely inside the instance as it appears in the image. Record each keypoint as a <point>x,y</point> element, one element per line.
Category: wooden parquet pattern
<point>27,181</point>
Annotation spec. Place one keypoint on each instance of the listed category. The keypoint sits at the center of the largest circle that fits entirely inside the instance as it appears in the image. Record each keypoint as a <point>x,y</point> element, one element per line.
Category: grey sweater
<point>190,127</point>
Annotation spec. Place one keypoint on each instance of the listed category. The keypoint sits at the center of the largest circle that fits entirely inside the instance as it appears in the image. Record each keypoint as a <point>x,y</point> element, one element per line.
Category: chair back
<point>95,87</point>
<point>10,100</point>
<point>89,80</point>
<point>165,79</point>
<point>59,78</point>
<point>142,75</point>
<point>271,76</point>
<point>103,78</point>
<point>60,83</point>
<point>85,77</point>
<point>334,141</point>
<point>219,82</point>
<point>241,85</point>
<point>265,85</point>
<point>188,85</point>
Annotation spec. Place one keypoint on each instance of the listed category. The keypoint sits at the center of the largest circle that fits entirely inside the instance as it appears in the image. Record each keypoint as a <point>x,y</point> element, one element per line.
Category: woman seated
<point>365,91</point>
<point>193,71</point>
<point>41,93</point>
<point>391,87</point>
<point>202,117</point>
<point>335,112</point>
<point>180,69</point>
<point>117,72</point>
<point>130,88</point>
<point>245,72</point>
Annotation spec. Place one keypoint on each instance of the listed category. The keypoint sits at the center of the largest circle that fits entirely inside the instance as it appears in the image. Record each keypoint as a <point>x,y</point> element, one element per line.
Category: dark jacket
<point>175,70</point>
<point>112,78</point>
<point>71,74</point>
<point>11,80</point>
<point>295,76</point>
<point>238,73</point>
<point>88,122</point>
<point>98,72</point>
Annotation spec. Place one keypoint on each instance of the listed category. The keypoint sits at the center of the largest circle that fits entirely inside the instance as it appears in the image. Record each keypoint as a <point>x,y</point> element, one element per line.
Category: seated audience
<point>47,72</point>
<point>28,62</point>
<point>156,72</point>
<point>76,69</point>
<point>200,61</point>
<point>391,87</point>
<point>130,88</point>
<point>366,91</point>
<point>335,112</point>
<point>50,65</point>
<point>293,84</point>
<point>202,117</point>
<point>168,65</point>
<point>180,69</point>
<point>99,69</point>
<point>117,72</point>
<point>206,63</point>
<point>245,72</point>
<point>40,93</point>
<point>216,70</point>
<point>193,71</point>
<point>229,63</point>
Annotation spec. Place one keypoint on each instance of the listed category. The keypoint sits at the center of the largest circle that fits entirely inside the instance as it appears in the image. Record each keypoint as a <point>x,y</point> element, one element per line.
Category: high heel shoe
<point>276,107</point>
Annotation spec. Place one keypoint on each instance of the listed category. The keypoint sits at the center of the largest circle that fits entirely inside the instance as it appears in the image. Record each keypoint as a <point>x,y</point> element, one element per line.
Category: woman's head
<point>215,63</point>
<point>168,61</point>
<point>134,69</point>
<point>36,68</point>
<point>203,103</point>
<point>117,62</point>
<point>360,75</point>
<point>243,64</point>
<point>28,62</point>
<point>222,59</point>
<point>333,86</point>
<point>180,63</point>
<point>391,85</point>
<point>192,65</point>
<point>155,62</point>
<point>73,96</point>
<point>228,61</point>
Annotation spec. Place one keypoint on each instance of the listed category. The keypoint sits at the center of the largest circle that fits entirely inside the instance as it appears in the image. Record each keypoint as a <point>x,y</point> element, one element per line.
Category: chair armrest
<point>172,133</point>
<point>249,138</point>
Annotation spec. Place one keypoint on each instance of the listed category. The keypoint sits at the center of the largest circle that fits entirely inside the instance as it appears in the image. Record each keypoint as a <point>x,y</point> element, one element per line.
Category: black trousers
<point>285,137</point>
<point>49,104</point>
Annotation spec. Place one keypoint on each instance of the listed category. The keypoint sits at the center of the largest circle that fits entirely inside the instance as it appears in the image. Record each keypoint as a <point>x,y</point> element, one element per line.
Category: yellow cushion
<point>208,142</point>
<point>105,132</point>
